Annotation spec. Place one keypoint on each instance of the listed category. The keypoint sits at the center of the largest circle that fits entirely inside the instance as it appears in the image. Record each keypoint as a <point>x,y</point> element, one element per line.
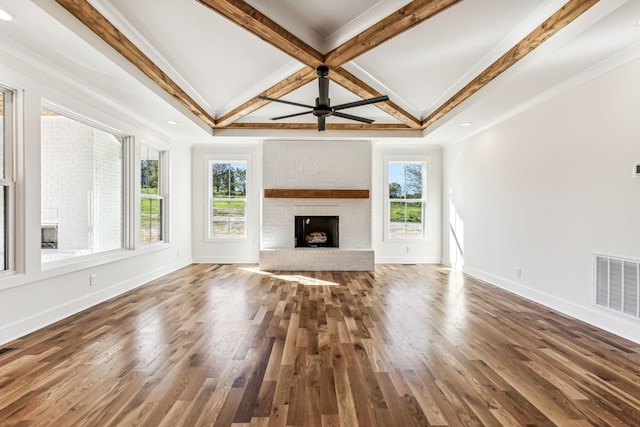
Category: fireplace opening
<point>316,231</point>
<point>49,236</point>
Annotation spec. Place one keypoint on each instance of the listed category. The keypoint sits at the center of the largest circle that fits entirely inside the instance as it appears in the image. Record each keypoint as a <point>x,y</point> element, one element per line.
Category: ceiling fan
<point>323,107</point>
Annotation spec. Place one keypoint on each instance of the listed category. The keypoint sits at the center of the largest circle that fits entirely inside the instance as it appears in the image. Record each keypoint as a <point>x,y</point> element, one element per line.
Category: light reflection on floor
<point>294,278</point>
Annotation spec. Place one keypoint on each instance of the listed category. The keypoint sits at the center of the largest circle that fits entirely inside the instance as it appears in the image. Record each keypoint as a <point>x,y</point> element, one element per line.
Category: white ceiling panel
<point>434,57</point>
<point>214,58</point>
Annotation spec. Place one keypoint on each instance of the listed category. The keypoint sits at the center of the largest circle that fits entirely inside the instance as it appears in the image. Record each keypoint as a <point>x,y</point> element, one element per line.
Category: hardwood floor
<point>228,345</point>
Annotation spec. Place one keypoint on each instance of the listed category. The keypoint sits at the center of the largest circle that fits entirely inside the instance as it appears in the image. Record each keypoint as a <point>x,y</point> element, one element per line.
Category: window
<point>6,178</point>
<point>227,198</point>
<point>81,188</point>
<point>151,195</point>
<point>406,199</point>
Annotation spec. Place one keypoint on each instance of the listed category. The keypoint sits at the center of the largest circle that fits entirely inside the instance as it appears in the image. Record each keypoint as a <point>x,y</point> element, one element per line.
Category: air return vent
<point>618,284</point>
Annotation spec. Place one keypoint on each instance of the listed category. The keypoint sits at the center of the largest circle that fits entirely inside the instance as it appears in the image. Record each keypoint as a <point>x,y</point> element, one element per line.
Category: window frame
<point>209,161</point>
<point>10,128</point>
<point>127,142</point>
<point>163,185</point>
<point>406,159</point>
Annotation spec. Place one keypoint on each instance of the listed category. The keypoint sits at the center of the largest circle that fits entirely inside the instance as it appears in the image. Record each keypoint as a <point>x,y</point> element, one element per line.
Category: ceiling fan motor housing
<point>322,110</point>
<point>323,71</point>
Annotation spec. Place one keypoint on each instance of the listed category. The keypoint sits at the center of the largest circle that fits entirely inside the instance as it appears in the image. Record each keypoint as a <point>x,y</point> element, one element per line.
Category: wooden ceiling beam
<point>403,19</point>
<point>242,14</point>
<point>96,22</point>
<point>282,88</point>
<point>314,126</point>
<point>563,17</point>
<point>254,21</point>
<point>360,88</point>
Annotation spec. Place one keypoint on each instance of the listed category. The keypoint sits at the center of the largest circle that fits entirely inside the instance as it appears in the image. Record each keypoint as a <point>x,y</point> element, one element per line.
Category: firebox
<point>317,231</point>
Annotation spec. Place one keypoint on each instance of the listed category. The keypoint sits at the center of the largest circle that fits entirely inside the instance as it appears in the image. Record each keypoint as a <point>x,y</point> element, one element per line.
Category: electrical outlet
<point>408,249</point>
<point>518,272</point>
<point>92,280</point>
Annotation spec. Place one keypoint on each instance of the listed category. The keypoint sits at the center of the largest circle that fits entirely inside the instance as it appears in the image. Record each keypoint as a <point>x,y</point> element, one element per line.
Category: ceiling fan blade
<point>363,102</point>
<point>323,84</point>
<point>350,117</point>
<point>292,115</point>
<point>266,98</point>
<point>321,123</point>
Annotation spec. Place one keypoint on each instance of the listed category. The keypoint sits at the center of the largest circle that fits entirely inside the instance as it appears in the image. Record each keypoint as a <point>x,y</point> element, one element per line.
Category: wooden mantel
<point>291,193</point>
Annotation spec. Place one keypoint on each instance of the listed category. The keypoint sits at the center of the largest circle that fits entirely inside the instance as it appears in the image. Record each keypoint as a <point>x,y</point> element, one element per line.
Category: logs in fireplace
<point>317,231</point>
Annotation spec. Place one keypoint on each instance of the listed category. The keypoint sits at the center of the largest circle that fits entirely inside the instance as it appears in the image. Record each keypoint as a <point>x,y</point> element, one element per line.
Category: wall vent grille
<point>618,284</point>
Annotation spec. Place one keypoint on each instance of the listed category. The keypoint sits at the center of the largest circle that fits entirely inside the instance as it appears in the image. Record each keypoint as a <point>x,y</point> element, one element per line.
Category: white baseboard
<point>620,325</point>
<point>407,260</point>
<point>225,260</point>
<point>33,323</point>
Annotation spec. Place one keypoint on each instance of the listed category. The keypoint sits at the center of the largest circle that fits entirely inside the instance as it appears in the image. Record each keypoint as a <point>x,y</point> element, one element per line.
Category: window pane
<point>228,195</point>
<point>4,206</point>
<point>406,199</point>
<point>81,187</point>
<point>3,202</point>
<point>150,220</point>
<point>405,219</point>
<point>229,179</point>
<point>3,126</point>
<point>405,180</point>
<point>228,217</point>
<point>149,164</point>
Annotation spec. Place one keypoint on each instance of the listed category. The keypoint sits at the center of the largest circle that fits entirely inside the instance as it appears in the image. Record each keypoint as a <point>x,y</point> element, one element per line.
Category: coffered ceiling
<point>441,62</point>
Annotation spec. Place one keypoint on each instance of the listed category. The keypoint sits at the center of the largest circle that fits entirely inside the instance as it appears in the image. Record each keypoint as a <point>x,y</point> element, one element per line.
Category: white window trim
<point>226,158</point>
<point>163,190</point>
<point>12,100</point>
<point>128,237</point>
<point>408,158</point>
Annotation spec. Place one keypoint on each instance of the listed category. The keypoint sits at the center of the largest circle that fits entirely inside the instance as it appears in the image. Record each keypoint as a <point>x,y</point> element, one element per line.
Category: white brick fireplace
<point>316,165</point>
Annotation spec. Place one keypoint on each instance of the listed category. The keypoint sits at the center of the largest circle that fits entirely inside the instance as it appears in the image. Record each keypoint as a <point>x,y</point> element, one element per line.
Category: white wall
<point>427,250</point>
<point>34,297</point>
<point>226,250</point>
<point>546,190</point>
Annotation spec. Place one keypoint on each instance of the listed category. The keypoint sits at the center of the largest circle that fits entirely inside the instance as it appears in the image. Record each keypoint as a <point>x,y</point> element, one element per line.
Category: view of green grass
<point>229,208</point>
<point>405,212</point>
<point>149,209</point>
<point>150,220</point>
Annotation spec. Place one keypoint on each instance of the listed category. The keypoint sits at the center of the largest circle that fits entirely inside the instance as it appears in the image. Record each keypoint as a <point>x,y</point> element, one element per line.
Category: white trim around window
<point>419,230</point>
<point>246,231</point>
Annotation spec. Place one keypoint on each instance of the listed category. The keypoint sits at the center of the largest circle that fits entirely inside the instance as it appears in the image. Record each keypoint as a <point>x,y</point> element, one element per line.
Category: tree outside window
<point>228,198</point>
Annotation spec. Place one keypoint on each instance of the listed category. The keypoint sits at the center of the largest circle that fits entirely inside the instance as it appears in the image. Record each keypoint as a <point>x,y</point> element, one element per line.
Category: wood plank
<point>291,83</point>
<point>314,126</point>
<point>556,22</point>
<point>360,88</point>
<point>439,349</point>
<point>293,193</point>
<point>96,22</point>
<point>398,22</point>
<point>252,20</point>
